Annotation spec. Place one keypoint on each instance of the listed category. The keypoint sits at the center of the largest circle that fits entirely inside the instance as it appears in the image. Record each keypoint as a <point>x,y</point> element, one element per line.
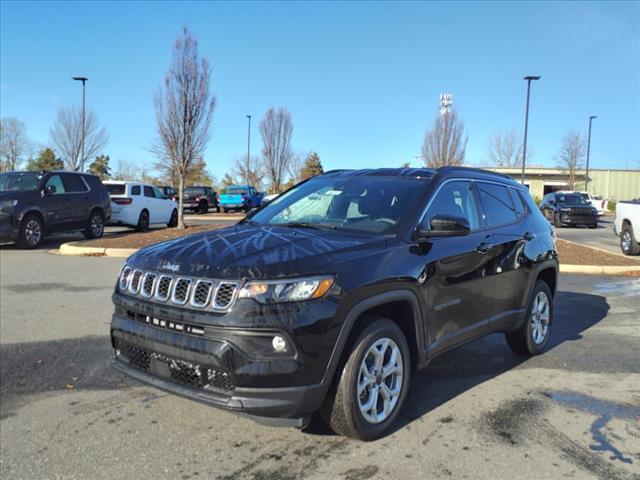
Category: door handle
<point>529,236</point>
<point>484,247</point>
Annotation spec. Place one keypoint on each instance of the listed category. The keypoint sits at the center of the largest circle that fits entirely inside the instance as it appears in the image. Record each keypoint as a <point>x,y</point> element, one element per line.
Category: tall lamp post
<point>246,173</point>
<point>586,178</point>
<point>83,80</point>
<point>528,78</point>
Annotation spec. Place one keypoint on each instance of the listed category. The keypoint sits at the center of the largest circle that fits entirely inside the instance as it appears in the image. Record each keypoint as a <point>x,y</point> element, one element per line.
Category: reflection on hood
<point>244,251</point>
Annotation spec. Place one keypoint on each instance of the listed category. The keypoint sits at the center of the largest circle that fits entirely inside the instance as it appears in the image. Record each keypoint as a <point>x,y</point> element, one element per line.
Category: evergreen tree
<point>312,166</point>
<point>100,167</point>
<point>46,160</point>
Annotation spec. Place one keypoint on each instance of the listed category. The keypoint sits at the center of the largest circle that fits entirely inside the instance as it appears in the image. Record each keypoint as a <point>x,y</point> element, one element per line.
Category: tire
<point>343,410</point>
<point>247,207</point>
<point>143,221</point>
<point>595,225</point>
<point>524,340</point>
<point>31,232</point>
<point>173,221</point>
<point>225,210</point>
<point>556,222</point>
<point>95,227</point>
<point>204,208</point>
<point>628,243</point>
<point>217,208</point>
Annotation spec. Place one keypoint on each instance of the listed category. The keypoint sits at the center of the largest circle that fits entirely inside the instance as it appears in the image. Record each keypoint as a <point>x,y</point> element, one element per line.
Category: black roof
<point>429,173</point>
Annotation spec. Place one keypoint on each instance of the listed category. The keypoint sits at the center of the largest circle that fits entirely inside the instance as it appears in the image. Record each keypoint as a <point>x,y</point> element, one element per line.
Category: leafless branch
<point>445,143</point>
<point>14,143</point>
<point>276,130</point>
<point>571,155</point>
<point>505,149</point>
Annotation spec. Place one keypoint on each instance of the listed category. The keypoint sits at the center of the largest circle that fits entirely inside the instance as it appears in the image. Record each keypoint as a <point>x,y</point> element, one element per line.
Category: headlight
<point>8,204</point>
<point>565,209</point>
<point>289,290</point>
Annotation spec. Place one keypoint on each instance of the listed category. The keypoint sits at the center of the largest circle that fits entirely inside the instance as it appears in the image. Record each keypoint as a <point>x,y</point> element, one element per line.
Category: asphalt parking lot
<point>476,412</point>
<point>601,237</point>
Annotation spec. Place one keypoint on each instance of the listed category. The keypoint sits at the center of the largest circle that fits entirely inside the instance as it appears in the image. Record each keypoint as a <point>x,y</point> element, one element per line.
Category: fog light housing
<point>279,344</point>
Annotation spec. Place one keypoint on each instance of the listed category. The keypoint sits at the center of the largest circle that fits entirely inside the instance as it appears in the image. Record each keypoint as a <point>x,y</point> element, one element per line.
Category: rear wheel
<point>173,221</point>
<point>225,210</point>
<point>31,232</point>
<point>143,221</point>
<point>628,243</point>
<point>532,337</point>
<point>373,384</point>
<point>95,227</point>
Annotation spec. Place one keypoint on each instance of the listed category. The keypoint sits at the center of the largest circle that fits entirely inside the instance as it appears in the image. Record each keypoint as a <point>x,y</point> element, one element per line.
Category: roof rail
<point>450,168</point>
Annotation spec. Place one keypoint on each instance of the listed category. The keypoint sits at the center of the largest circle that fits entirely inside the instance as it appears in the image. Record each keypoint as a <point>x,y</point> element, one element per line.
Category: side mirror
<point>552,202</point>
<point>445,226</point>
<point>50,190</point>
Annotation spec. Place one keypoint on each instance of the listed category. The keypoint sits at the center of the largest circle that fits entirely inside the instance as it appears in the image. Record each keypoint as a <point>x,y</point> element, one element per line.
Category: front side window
<point>158,193</point>
<point>55,181</point>
<point>454,199</point>
<point>358,203</point>
<point>497,204</point>
<point>148,191</point>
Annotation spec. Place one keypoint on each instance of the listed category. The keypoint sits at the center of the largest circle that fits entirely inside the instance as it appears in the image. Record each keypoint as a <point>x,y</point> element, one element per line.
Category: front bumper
<point>226,366</point>
<point>8,228</point>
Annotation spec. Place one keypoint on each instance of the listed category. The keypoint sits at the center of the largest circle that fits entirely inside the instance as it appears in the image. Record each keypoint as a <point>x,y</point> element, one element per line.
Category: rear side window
<point>148,191</point>
<point>529,202</point>
<point>454,199</point>
<point>115,189</point>
<point>497,204</point>
<point>517,202</point>
<point>135,190</point>
<point>73,183</point>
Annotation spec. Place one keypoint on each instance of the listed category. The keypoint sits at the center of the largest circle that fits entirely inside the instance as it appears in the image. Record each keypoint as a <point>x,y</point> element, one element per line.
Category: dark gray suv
<point>35,204</point>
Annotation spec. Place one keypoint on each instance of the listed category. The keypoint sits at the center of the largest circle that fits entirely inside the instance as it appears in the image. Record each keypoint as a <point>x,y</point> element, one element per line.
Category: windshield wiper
<point>316,226</point>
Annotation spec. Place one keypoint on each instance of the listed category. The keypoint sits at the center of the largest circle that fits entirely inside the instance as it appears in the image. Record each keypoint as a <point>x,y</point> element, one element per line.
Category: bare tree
<point>276,130</point>
<point>128,171</point>
<point>445,143</point>
<point>184,109</point>
<point>249,170</point>
<point>505,149</point>
<point>571,155</point>
<point>15,146</point>
<point>295,168</point>
<point>66,134</point>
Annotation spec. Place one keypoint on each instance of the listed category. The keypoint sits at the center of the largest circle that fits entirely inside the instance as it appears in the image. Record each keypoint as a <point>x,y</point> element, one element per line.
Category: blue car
<point>239,197</point>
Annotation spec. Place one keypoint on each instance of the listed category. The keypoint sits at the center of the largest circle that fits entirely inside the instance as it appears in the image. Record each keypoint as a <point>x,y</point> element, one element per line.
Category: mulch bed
<point>142,239</point>
<point>573,254</point>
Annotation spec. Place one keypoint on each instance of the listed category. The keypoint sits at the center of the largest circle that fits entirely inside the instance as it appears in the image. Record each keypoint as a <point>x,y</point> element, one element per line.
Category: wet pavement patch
<point>605,411</point>
<point>510,422</point>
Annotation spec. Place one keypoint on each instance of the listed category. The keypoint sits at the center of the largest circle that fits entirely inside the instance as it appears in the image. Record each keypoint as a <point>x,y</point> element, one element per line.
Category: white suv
<point>138,205</point>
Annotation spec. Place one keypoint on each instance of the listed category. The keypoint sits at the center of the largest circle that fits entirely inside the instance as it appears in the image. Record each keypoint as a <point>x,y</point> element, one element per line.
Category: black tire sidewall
<point>173,220</point>
<point>143,225</point>
<point>375,331</point>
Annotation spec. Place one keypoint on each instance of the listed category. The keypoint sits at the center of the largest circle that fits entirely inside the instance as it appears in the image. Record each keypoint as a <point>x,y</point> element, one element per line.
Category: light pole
<point>246,173</point>
<point>586,178</point>
<point>528,78</point>
<point>83,80</point>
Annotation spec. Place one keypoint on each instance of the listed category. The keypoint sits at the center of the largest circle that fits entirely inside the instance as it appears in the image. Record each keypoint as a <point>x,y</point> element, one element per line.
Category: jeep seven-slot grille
<point>175,369</point>
<point>199,293</point>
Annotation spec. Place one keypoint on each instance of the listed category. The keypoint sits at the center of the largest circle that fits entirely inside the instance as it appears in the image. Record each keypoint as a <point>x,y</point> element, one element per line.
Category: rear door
<point>165,206</point>
<point>152,204</point>
<point>457,288</point>
<point>77,200</point>
<point>504,214</point>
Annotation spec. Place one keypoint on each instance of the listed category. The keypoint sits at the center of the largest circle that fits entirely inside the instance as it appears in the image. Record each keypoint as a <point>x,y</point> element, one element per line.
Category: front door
<point>458,287</point>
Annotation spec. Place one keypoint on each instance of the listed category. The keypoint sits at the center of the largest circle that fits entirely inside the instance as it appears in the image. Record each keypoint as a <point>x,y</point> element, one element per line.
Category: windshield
<point>236,191</point>
<point>571,199</point>
<point>16,182</point>
<point>362,203</point>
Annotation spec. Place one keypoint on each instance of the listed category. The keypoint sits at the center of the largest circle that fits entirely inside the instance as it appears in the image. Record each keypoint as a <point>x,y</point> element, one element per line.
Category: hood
<point>245,251</point>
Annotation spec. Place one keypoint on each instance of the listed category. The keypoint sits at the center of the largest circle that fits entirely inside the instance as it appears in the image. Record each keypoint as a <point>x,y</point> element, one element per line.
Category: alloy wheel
<point>33,232</point>
<point>626,241</point>
<point>380,380</point>
<point>97,225</point>
<point>540,318</point>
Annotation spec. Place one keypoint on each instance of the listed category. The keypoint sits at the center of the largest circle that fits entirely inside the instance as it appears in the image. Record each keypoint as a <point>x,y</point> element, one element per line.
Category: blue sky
<point>361,80</point>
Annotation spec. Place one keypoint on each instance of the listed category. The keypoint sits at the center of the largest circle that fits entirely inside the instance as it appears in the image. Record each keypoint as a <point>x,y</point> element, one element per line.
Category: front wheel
<point>95,227</point>
<point>373,384</point>
<point>556,222</point>
<point>173,221</point>
<point>532,337</point>
<point>31,232</point>
<point>628,243</point>
<point>204,208</point>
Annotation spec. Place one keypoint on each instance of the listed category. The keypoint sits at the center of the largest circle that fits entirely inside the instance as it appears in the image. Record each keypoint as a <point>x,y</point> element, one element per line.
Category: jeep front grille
<point>200,293</point>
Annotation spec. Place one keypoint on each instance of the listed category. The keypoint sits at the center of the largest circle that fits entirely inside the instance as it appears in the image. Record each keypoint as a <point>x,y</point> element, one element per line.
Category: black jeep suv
<point>332,295</point>
<point>34,204</point>
<point>569,209</point>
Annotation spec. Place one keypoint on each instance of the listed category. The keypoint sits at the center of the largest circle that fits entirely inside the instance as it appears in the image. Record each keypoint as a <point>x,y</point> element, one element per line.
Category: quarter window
<point>454,199</point>
<point>497,204</point>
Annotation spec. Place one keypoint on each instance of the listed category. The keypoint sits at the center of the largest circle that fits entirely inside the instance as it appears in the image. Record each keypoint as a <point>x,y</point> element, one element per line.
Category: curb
<point>72,248</point>
<point>598,269</point>
<point>595,248</point>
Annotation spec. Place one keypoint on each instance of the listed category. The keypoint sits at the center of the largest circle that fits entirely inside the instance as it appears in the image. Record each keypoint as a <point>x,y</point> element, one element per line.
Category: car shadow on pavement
<point>461,369</point>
